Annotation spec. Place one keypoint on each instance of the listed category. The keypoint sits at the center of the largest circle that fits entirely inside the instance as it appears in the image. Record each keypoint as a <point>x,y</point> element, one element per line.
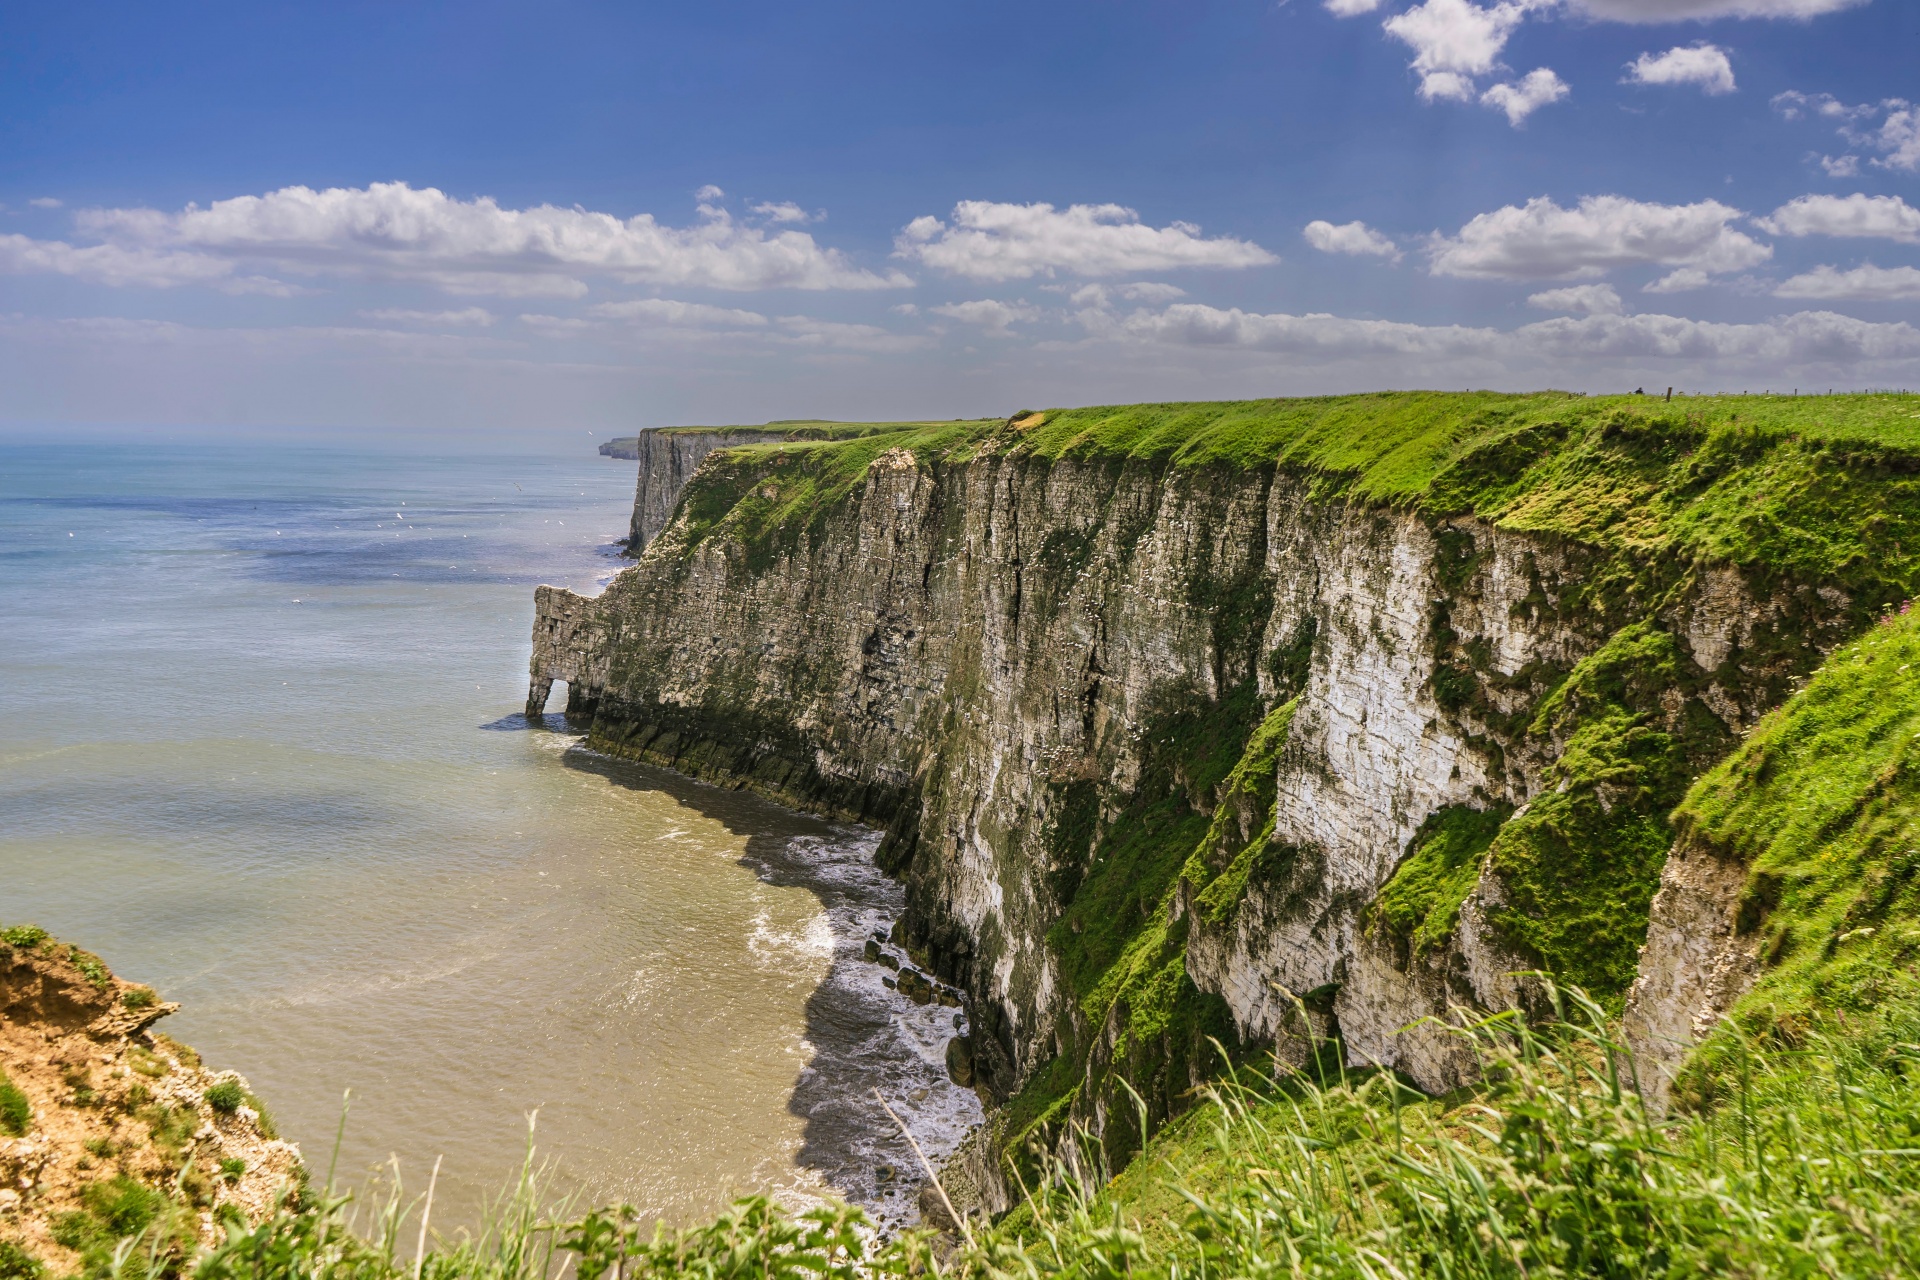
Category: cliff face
<point>1244,746</point>
<point>668,460</point>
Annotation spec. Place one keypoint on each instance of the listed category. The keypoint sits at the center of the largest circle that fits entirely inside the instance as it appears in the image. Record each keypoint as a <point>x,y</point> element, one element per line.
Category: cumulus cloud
<point>393,231</point>
<point>1196,325</point>
<point>1351,238</point>
<point>1804,339</point>
<point>1580,299</point>
<point>1862,284</point>
<point>1351,8</point>
<point>1679,280</point>
<point>992,241</point>
<point>1896,135</point>
<point>1455,41</point>
<point>993,316</point>
<point>1857,216</point>
<point>1703,64</point>
<point>467,317</point>
<point>1794,105</point>
<point>1540,240</point>
<point>1654,11</point>
<point>784,211</point>
<point>112,264</point>
<point>1522,98</point>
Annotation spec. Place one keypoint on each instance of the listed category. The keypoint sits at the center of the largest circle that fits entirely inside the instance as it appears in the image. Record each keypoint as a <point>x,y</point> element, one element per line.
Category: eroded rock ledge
<point>104,1111</point>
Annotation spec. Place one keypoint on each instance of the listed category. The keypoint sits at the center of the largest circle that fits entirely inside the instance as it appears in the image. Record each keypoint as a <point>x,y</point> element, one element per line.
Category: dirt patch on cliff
<point>111,1132</point>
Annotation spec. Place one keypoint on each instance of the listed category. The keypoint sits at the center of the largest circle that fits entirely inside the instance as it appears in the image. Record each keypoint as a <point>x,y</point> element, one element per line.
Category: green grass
<point>125,1228</point>
<point>16,1112</point>
<point>17,1264</point>
<point>1821,804</point>
<point>91,965</point>
<point>1550,1169</point>
<point>226,1096</point>
<point>27,937</point>
<point>1421,904</point>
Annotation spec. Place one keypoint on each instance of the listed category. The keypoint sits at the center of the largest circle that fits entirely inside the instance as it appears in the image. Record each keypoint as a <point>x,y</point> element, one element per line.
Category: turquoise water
<point>260,747</point>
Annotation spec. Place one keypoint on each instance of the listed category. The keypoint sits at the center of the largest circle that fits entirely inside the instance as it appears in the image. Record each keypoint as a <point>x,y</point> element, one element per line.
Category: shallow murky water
<point>258,746</point>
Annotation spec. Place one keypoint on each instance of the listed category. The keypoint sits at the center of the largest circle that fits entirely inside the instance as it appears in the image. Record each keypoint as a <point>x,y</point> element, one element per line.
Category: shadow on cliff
<point>864,1035</point>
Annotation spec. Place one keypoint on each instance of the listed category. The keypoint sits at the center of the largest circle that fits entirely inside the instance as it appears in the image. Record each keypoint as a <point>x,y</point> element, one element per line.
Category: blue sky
<point>606,216</point>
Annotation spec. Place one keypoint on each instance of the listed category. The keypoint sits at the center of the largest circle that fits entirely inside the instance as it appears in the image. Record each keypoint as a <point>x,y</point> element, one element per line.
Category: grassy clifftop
<point>1705,475</point>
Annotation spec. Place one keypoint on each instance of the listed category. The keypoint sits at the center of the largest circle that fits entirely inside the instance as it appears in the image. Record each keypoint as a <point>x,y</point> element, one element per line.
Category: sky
<point>608,216</point>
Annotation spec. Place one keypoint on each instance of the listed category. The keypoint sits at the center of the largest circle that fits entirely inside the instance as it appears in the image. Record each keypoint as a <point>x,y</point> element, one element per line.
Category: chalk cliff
<point>1258,722</point>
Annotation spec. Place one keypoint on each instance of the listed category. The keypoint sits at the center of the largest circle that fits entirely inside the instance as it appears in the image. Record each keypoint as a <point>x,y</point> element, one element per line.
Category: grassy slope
<point>1800,1117</point>
<point>1822,804</point>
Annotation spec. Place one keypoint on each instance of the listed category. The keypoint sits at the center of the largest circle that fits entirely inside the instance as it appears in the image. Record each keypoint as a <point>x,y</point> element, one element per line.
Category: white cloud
<point>111,264</point>
<point>1654,11</point>
<point>1862,284</point>
<point>1794,104</point>
<point>995,241</point>
<point>1454,41</point>
<point>1896,137</point>
<point>783,211</point>
<point>1703,64</point>
<point>672,313</point>
<point>46,202</point>
<point>1806,339</point>
<point>1519,100</point>
<point>1350,237</point>
<point>1580,299</point>
<point>1196,325</point>
<point>1351,8</point>
<point>393,231</point>
<point>990,315</point>
<point>468,316</point>
<point>1100,296</point>
<point>709,194</point>
<point>1857,216</point>
<point>1679,280</point>
<point>1540,240</point>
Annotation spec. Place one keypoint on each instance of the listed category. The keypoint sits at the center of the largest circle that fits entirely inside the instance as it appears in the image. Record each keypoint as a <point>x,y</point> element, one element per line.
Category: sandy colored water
<point>259,747</point>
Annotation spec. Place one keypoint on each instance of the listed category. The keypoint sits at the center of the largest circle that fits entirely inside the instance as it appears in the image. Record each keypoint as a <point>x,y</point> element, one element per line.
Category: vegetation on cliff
<point>1552,1168</point>
<point>120,1153</point>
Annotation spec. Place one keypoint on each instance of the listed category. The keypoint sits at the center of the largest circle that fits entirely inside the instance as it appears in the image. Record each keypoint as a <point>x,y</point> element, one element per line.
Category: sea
<point>261,746</point>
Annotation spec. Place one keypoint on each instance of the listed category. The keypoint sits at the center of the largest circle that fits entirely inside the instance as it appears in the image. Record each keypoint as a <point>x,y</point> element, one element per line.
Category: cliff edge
<point>109,1130</point>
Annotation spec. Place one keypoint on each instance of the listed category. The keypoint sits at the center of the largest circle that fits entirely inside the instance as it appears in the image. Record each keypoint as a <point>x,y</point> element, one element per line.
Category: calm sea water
<point>259,746</point>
